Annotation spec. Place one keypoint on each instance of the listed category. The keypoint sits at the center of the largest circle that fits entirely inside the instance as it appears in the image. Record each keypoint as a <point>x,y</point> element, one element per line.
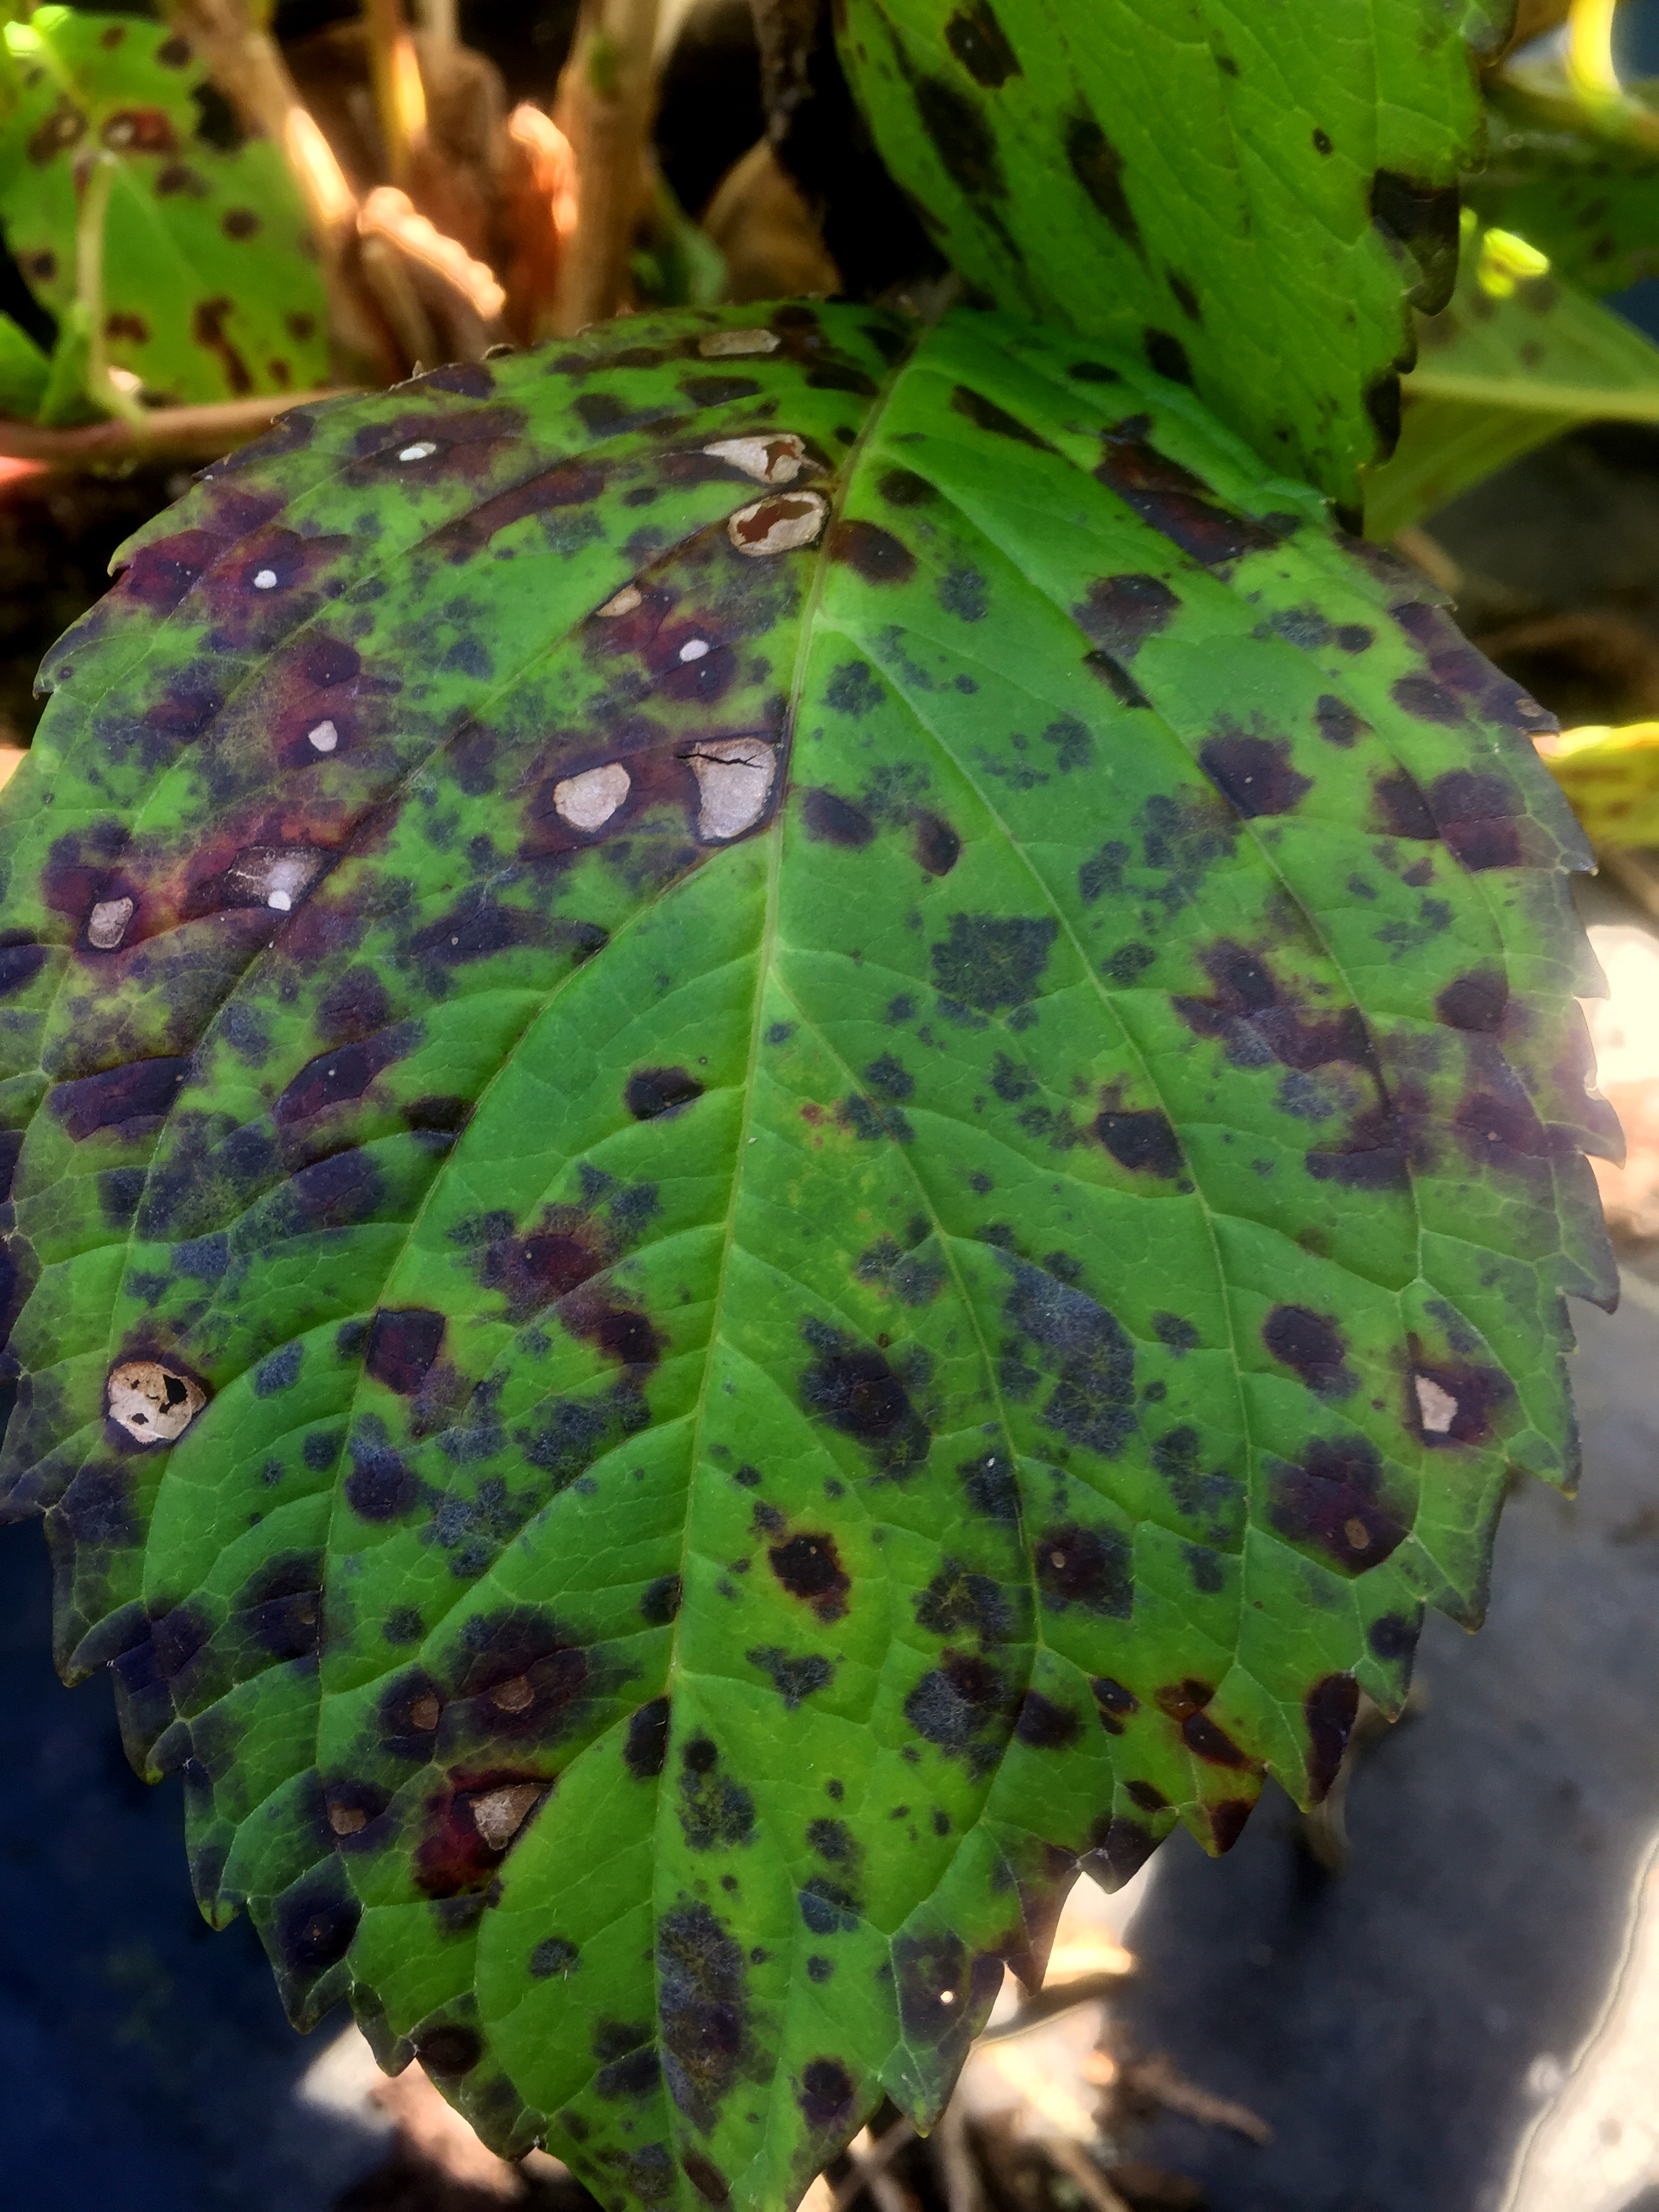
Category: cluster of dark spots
<point>870,1122</point>
<point>1328,1709</point>
<point>703,2006</point>
<point>991,1487</point>
<point>809,1567</point>
<point>1254,774</point>
<point>937,845</point>
<point>1333,1502</point>
<point>890,1079</point>
<point>852,1389</point>
<point>574,1432</point>
<point>990,964</point>
<point>964,1707</point>
<point>1312,1345</point>
<point>1421,219</point>
<point>793,1675</point>
<point>1122,612</point>
<point>402,1345</point>
<point>645,1748</point>
<point>829,819</point>
<point>1090,1568</point>
<point>1141,1140</point>
<point>960,1602</point>
<point>1184,1703</point>
<point>1116,1703</point>
<point>1175,502</point>
<point>133,1101</point>
<point>875,553</point>
<point>1098,168</point>
<point>913,1278</point>
<point>1044,1726</point>
<point>1126,967</point>
<point>1257,1020</point>
<point>716,1813</point>
<point>855,689</point>
<point>379,1486</point>
<point>1084,1350</point>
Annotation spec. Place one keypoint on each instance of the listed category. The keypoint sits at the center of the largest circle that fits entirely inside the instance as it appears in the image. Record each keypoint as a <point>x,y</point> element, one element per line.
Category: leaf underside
<point>920,1303</point>
<point>1197,183</point>
<point>211,288</point>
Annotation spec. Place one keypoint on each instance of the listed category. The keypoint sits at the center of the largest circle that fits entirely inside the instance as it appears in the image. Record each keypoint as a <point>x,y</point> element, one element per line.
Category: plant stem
<point>159,433</point>
<point>91,222</point>
<point>604,109</point>
<point>399,95</point>
<point>1590,49</point>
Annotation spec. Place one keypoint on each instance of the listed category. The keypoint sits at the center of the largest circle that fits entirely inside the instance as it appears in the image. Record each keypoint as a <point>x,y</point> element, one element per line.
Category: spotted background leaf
<point>1249,197</point>
<point>797,1127</point>
<point>211,288</point>
<point>1587,197</point>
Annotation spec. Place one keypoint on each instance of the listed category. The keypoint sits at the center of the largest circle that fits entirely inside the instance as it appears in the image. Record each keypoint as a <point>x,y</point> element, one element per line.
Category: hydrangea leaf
<point>211,286</point>
<point>1519,355</point>
<point>1588,196</point>
<point>1248,198</point>
<point>798,1128</point>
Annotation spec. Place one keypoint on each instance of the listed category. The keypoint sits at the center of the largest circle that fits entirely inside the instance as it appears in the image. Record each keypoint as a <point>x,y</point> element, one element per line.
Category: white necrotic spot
<point>588,801</point>
<point>264,579</point>
<point>325,736</point>
<point>106,925</point>
<point>625,603</point>
<point>734,782</point>
<point>498,1815</point>
<point>769,460</point>
<point>421,450</point>
<point>275,875</point>
<point>1437,1408</point>
<point>150,1402</point>
<point>726,345</point>
<point>777,526</point>
<point>694,649</point>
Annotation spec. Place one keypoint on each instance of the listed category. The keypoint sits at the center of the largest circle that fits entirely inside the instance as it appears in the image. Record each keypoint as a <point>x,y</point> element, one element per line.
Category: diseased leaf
<point>211,288</point>
<point>799,1126</point>
<point>1611,778</point>
<point>1249,199</point>
<point>1588,198</point>
<point>1513,362</point>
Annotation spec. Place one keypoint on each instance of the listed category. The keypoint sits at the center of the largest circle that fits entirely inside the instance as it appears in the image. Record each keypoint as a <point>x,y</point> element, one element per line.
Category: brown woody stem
<point>604,109</point>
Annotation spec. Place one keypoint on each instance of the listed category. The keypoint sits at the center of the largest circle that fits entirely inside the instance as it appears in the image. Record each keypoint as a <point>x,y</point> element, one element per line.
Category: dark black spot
<point>403,1344</point>
<point>852,1387</point>
<point>1119,1850</point>
<point>904,488</point>
<point>959,1602</point>
<point>878,555</point>
<point>1476,1001</point>
<point>1098,168</point>
<point>991,1487</point>
<point>1382,404</point>
<point>380,1487</point>
<point>830,820</point>
<point>314,1924</point>
<point>719,391</point>
<point>661,1602</point>
<point>1085,1567</point>
<point>1254,774</point>
<point>1122,612</point>
<point>646,1746</point>
<point>1393,1638</point>
<point>1145,1142</point>
<point>937,847</point>
<point>1329,1709</point>
<point>637,2075</point>
<point>1477,815</point>
<point>1185,298</point>
<point>706,2177</point>
<point>1337,723</point>
<point>986,415</point>
<point>826,2096</point>
<point>854,689</point>
<point>1322,141</point>
<point>1167,355</point>
<point>988,962</point>
<point>653,1092</point>
<point>1400,807</point>
<point>961,138</point>
<point>962,1708</point>
<point>20,960</point>
<point>278,1372</point>
<point>133,1100</point>
<point>1312,1345</point>
<point>1116,1703</point>
<point>809,1567</point>
<point>702,2005</point>
<point>1044,1726</point>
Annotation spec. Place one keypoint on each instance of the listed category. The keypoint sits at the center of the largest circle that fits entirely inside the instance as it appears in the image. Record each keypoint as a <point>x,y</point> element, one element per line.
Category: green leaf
<point>1511,363</point>
<point>1588,196</point>
<point>1251,197</point>
<point>24,370</point>
<point>211,288</point>
<point>824,1090</point>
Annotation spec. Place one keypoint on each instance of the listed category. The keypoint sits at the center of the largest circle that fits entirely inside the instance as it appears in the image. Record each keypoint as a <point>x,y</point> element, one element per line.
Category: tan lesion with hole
<point>152,1403</point>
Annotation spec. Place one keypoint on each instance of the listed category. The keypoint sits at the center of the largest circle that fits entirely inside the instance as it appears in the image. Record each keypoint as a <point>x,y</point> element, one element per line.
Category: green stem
<point>90,226</point>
